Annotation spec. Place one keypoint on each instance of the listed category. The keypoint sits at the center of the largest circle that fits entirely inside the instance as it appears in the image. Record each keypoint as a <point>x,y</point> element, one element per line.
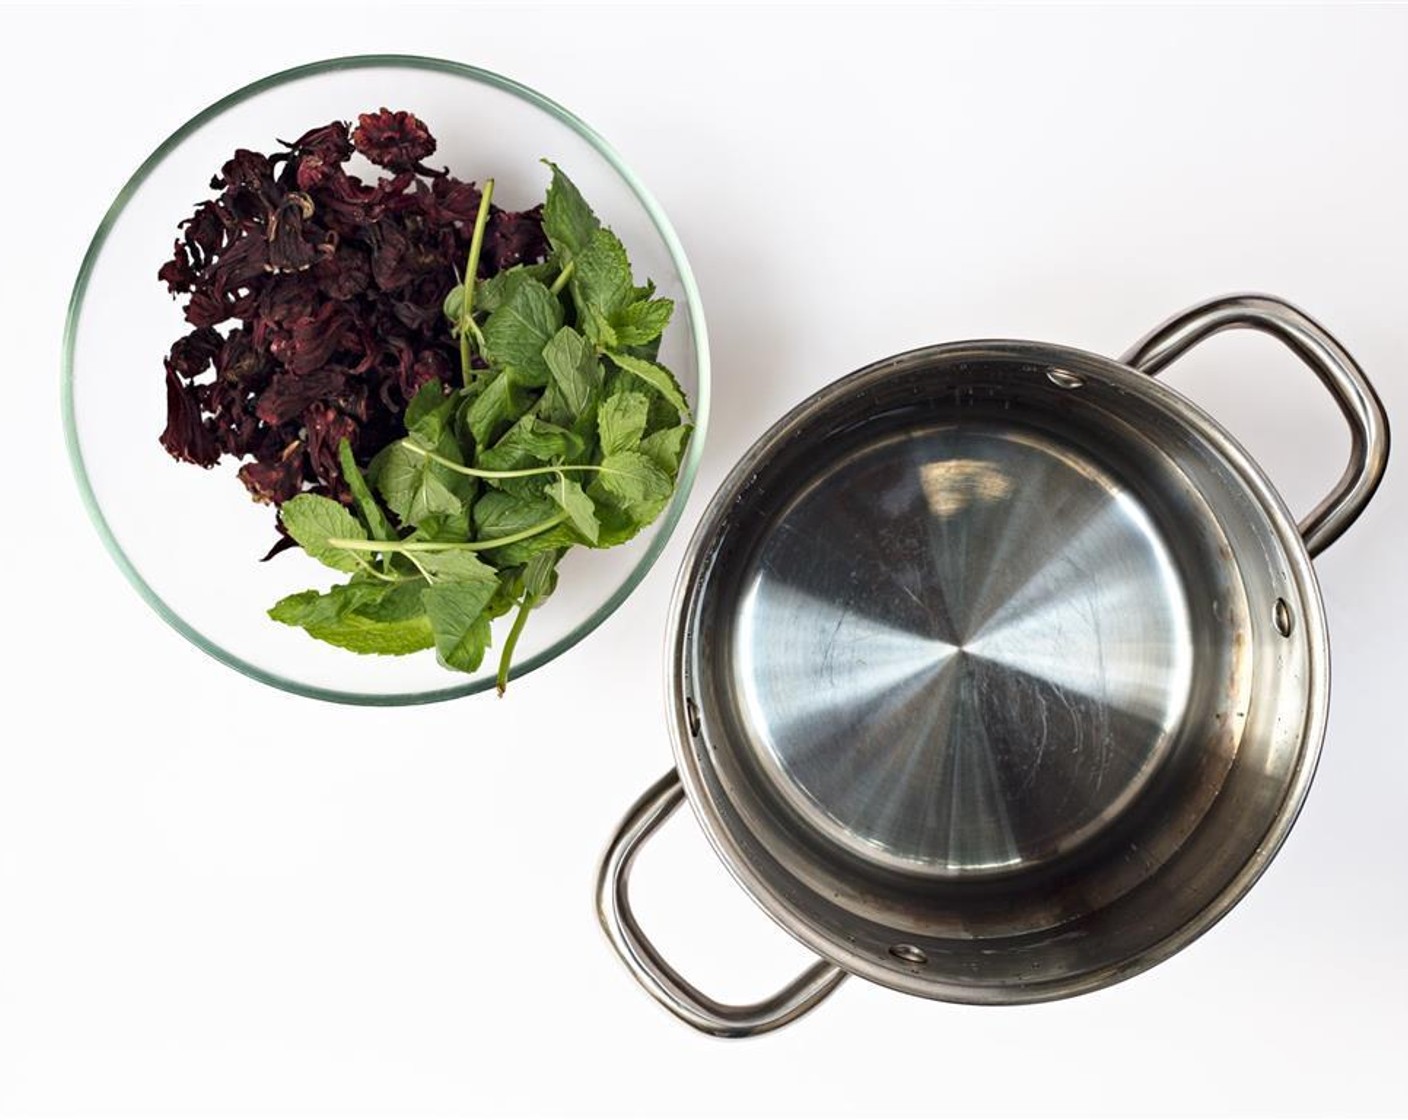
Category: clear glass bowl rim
<point>668,520</point>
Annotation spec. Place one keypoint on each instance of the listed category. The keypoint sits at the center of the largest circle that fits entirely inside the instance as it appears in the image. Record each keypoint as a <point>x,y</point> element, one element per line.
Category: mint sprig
<point>564,431</point>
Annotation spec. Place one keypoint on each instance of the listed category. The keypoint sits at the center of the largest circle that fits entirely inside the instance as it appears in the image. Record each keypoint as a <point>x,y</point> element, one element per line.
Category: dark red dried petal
<point>186,437</point>
<point>177,273</point>
<point>327,428</point>
<point>345,274</point>
<point>396,141</point>
<point>275,480</point>
<point>287,397</point>
<point>191,355</point>
<point>511,239</point>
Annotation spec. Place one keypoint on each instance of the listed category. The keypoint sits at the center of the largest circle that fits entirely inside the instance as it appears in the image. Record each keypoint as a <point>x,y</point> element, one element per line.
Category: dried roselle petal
<point>177,273</point>
<point>245,260</point>
<point>396,141</point>
<point>288,397</point>
<point>192,354</point>
<point>291,247</point>
<point>345,274</point>
<point>244,169</point>
<point>391,266</point>
<point>207,308</point>
<point>313,340</point>
<point>327,427</point>
<point>452,200</point>
<point>240,362</point>
<point>186,436</point>
<point>206,232</point>
<point>275,480</point>
<point>511,239</point>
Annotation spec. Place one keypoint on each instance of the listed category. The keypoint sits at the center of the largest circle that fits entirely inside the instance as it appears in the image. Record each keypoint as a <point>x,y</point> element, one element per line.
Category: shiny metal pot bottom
<point>1000,670</point>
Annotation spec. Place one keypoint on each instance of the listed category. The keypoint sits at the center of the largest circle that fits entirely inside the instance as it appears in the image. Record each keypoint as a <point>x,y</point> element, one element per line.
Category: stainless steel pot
<point>999,670</point>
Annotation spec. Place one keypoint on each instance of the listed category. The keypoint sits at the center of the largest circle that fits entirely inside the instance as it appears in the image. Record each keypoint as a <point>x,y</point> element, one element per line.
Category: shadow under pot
<point>999,670</point>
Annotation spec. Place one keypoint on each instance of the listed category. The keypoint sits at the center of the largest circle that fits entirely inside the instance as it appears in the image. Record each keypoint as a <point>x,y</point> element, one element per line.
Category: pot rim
<point>792,918</point>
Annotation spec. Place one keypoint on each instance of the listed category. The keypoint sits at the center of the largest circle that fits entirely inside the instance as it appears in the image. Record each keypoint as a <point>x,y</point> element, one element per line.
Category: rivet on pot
<point>910,954</point>
<point>1063,380</point>
<point>1285,622</point>
<point>691,713</point>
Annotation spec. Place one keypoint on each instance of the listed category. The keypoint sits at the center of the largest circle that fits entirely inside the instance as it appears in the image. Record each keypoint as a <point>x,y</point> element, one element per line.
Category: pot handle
<point>651,971</point>
<point>1317,348</point>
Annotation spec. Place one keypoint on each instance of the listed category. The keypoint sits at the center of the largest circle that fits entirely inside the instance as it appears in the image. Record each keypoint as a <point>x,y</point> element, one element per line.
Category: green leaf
<point>415,486</point>
<point>313,520</point>
<point>620,421</point>
<point>540,576</point>
<point>457,566</point>
<point>377,524</point>
<point>428,412</point>
<point>657,377</point>
<point>490,294</point>
<point>498,513</point>
<point>556,539</point>
<point>567,219</point>
<point>581,513</point>
<point>575,378</point>
<point>515,334</point>
<point>642,322</point>
<point>361,617</point>
<point>458,621</point>
<point>443,526</point>
<point>666,447</point>
<point>601,284</point>
<point>500,403</point>
<point>633,477</point>
<point>453,306</point>
<point>530,442</point>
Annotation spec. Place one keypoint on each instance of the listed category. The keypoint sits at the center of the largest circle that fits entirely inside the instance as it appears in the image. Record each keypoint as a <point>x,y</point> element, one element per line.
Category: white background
<point>217,899</point>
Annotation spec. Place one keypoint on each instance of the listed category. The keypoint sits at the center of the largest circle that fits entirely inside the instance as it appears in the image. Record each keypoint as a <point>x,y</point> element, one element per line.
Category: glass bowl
<point>191,543</point>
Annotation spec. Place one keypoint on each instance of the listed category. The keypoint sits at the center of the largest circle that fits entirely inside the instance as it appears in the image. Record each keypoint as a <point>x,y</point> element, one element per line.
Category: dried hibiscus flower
<point>328,290</point>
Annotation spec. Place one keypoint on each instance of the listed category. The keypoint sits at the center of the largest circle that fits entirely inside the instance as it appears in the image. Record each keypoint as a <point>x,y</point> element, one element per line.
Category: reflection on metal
<point>951,485</point>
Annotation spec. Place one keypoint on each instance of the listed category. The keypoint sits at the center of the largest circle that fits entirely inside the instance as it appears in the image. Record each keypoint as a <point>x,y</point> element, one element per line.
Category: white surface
<point>219,899</point>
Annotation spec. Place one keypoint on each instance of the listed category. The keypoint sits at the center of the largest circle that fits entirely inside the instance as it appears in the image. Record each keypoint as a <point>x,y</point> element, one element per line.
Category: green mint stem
<point>476,472</point>
<point>562,278</point>
<point>361,545</point>
<point>506,658</point>
<point>471,272</point>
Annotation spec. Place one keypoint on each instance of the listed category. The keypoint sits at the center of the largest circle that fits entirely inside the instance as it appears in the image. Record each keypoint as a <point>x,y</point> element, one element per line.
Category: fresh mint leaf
<point>602,283</point>
<point>490,294</point>
<point>452,306</point>
<point>457,566</point>
<point>516,333</point>
<point>642,322</point>
<point>634,478</point>
<point>313,520</point>
<point>581,513</point>
<point>575,378</point>
<point>666,447</point>
<point>498,513</point>
<point>428,412</point>
<point>620,421</point>
<point>567,219</point>
<point>540,576</point>
<point>530,442</point>
<point>500,403</point>
<point>347,617</point>
<point>415,486</point>
<point>656,376</point>
<point>375,519</point>
<point>457,619</point>
<point>443,527</point>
